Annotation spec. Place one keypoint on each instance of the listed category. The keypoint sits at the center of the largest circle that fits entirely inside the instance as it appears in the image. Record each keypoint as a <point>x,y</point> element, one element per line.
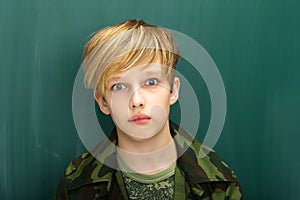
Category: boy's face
<point>139,100</point>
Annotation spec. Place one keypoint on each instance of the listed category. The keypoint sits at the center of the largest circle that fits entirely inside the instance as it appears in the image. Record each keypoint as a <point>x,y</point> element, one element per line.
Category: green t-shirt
<point>150,187</point>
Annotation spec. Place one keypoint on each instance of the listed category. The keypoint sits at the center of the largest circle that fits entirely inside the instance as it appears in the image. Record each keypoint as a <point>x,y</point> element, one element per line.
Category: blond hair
<point>123,46</point>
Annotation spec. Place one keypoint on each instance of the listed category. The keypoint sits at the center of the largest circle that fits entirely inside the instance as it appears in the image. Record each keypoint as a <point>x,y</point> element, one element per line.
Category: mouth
<point>140,119</point>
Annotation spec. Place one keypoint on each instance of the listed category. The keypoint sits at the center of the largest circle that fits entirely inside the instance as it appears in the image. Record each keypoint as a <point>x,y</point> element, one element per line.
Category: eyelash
<point>113,87</point>
<point>152,79</point>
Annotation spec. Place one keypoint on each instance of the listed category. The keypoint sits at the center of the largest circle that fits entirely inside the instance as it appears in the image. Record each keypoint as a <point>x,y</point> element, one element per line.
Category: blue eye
<point>151,82</point>
<point>118,86</point>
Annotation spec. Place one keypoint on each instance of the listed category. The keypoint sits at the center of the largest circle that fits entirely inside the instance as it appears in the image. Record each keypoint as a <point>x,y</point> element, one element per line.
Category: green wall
<point>255,45</point>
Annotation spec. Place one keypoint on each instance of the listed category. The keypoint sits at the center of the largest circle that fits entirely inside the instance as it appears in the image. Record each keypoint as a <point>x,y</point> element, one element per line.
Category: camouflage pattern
<point>196,177</point>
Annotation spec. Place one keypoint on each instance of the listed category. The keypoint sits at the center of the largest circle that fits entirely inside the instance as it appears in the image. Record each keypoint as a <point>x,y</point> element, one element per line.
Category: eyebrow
<point>111,81</point>
<point>148,73</point>
<point>153,72</point>
<point>115,78</point>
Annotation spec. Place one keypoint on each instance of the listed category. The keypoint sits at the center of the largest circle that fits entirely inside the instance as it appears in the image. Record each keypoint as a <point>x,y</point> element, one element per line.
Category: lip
<point>140,119</point>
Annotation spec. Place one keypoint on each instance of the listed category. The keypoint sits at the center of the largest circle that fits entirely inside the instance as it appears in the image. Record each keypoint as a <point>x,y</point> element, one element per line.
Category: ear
<point>175,91</point>
<point>102,103</point>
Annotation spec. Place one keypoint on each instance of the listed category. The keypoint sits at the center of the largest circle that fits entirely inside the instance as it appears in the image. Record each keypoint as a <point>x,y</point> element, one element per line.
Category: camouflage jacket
<point>205,177</point>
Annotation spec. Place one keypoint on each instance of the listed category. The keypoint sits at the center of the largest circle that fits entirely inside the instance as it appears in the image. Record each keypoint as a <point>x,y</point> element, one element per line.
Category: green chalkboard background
<point>254,43</point>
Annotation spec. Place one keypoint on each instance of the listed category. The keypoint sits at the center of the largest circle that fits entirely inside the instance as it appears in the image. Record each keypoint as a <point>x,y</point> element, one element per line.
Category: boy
<point>131,67</point>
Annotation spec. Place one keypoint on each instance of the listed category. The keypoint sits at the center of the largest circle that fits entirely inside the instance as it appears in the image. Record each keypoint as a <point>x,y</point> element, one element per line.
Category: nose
<point>137,99</point>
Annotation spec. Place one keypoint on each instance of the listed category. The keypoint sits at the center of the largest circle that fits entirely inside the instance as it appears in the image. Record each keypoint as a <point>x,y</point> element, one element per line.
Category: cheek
<point>159,113</point>
<point>118,104</point>
<point>162,100</point>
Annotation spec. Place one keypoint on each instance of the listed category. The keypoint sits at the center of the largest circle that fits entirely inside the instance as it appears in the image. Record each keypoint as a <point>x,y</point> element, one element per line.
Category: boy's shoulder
<point>84,170</point>
<point>87,168</point>
<point>200,162</point>
<point>204,171</point>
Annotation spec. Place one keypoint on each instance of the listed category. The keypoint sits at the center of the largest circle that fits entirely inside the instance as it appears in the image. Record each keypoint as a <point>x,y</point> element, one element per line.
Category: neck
<point>150,155</point>
<point>152,162</point>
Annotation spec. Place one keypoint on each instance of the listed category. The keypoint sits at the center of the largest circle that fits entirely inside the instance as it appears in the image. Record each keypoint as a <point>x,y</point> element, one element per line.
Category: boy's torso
<point>207,177</point>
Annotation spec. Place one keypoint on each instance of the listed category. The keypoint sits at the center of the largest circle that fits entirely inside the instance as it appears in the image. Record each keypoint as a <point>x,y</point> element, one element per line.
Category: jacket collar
<point>88,169</point>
